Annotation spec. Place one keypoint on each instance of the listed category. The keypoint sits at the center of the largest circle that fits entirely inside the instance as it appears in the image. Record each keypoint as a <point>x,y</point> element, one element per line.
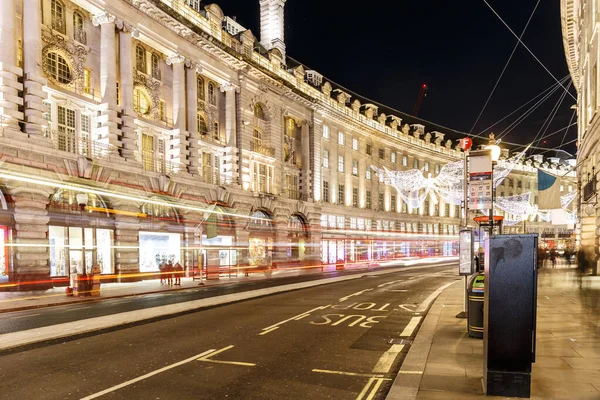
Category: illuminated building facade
<point>580,38</point>
<point>180,124</point>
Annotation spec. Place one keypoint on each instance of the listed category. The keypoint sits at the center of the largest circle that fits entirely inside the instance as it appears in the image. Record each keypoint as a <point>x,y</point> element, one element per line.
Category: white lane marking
<point>410,372</point>
<point>304,314</point>
<point>406,307</point>
<point>410,328</point>
<point>24,316</point>
<point>390,283</point>
<point>206,358</point>
<point>398,290</point>
<point>376,382</point>
<point>387,359</point>
<point>354,294</point>
<point>327,371</point>
<point>269,331</point>
<point>148,375</point>
<point>432,297</point>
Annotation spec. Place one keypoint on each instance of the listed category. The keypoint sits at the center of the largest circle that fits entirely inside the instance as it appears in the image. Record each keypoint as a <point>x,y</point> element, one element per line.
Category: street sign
<point>465,143</point>
<point>480,180</point>
<point>465,252</point>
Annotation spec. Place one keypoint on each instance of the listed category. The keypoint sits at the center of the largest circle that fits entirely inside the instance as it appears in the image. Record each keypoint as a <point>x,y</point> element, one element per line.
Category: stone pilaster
<point>230,157</point>
<point>192,119</point>
<point>178,144</point>
<point>127,260</point>
<point>129,139</point>
<point>306,171</point>
<point>312,252</point>
<point>242,238</point>
<point>34,79</point>
<point>32,258</point>
<point>109,132</point>
<point>10,116</point>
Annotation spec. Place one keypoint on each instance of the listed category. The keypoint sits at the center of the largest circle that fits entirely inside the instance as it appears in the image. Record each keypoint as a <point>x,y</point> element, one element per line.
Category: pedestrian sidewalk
<point>16,301</point>
<point>444,363</point>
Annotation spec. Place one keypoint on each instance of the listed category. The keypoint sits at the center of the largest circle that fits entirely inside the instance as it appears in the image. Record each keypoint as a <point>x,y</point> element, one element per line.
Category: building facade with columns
<point>579,21</point>
<point>190,137</point>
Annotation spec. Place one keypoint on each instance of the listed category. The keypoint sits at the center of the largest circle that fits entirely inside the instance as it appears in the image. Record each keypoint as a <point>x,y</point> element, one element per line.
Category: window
<point>368,149</point>
<point>78,28</point>
<point>355,167</point>
<point>141,101</point>
<point>380,202</point>
<point>341,193</point>
<point>352,223</point>
<point>570,188</point>
<point>325,158</point>
<point>354,197</point>
<point>262,178</point>
<point>404,161</point>
<point>381,154</point>
<point>340,163</point>
<point>426,207</point>
<point>393,157</point>
<point>446,210</point>
<point>426,167</point>
<point>437,168</point>
<point>325,132</point>
<point>416,164</point>
<point>501,194</point>
<point>140,59</point>
<point>368,174</point>
<point>404,207</point>
<point>202,128</point>
<point>292,186</point>
<point>436,210</point>
<point>341,138</point>
<point>87,81</point>
<point>368,200</point>
<point>519,184</point>
<point>161,110</point>
<point>354,144</point>
<point>195,4</point>
<point>57,16</point>
<point>326,191</point>
<point>393,203</point>
<point>212,95</point>
<point>562,188</point>
<point>155,66</point>
<point>331,221</point>
<point>456,211</point>
<point>118,94</point>
<point>66,129</point>
<point>216,132</point>
<point>58,68</point>
<point>341,222</point>
<point>200,88</point>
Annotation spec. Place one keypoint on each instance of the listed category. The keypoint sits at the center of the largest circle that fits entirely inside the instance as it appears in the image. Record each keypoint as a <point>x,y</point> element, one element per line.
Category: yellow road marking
<point>327,371</point>
<point>304,314</point>
<point>24,316</point>
<point>376,382</point>
<point>387,359</point>
<point>410,328</point>
<point>206,358</point>
<point>410,372</point>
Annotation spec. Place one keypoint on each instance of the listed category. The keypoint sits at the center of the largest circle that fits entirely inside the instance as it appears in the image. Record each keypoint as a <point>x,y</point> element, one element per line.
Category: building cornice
<point>569,24</point>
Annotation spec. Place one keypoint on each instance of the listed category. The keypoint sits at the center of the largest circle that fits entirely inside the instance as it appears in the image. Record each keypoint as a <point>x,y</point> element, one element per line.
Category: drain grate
<point>400,341</point>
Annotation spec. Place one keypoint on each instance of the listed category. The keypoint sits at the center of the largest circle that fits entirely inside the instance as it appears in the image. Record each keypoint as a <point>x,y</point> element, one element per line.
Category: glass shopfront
<point>73,249</point>
<point>4,254</point>
<point>156,247</point>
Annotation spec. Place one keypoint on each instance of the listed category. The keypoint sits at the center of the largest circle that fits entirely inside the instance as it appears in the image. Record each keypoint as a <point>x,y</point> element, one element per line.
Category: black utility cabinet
<point>509,314</point>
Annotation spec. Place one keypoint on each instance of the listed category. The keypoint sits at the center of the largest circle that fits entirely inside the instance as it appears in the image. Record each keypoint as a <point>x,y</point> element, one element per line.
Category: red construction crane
<point>422,94</point>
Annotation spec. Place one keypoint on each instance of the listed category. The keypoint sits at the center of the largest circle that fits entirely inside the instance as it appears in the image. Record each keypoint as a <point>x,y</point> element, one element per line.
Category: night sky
<point>385,50</point>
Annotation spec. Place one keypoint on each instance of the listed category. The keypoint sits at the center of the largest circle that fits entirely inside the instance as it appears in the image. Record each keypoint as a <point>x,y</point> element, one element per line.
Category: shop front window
<point>157,247</point>
<point>73,250</point>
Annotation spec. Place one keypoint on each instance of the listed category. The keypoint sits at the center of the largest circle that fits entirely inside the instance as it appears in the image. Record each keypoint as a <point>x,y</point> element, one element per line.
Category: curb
<point>407,382</point>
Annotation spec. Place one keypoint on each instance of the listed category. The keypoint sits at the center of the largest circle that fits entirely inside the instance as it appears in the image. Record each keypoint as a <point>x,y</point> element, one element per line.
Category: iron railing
<point>80,35</point>
<point>157,163</point>
<point>589,190</point>
<point>72,143</point>
<point>58,24</point>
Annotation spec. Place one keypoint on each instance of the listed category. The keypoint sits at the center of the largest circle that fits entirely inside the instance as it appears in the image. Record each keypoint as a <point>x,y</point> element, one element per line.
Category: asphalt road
<point>339,341</point>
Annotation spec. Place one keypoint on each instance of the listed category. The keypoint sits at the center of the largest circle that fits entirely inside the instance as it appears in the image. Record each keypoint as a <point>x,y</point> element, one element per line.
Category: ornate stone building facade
<point>190,136</point>
<point>579,20</point>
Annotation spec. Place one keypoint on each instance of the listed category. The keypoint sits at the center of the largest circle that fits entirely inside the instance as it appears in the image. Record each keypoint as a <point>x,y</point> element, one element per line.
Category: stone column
<point>32,61</point>
<point>281,242</point>
<point>305,173</point>
<point>192,110</point>
<point>9,72</point>
<point>109,132</point>
<point>178,152</point>
<point>32,266</point>
<point>231,151</point>
<point>126,84</point>
<point>127,260</point>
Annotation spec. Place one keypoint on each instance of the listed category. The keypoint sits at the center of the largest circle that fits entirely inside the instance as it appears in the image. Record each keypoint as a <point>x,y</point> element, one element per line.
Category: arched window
<point>141,101</point>
<point>140,59</point>
<point>260,219</point>
<point>78,28</point>
<point>200,88</point>
<point>212,96</point>
<point>160,211</point>
<point>155,66</point>
<point>259,111</point>
<point>57,16</point>
<point>58,68</point>
<point>202,128</point>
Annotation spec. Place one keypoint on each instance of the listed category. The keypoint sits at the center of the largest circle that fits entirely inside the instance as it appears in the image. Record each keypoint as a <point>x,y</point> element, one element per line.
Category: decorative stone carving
<point>448,144</point>
<point>104,18</point>
<point>326,89</point>
<point>427,137</point>
<point>356,105</point>
<point>228,86</point>
<point>125,27</point>
<point>382,118</point>
<point>175,58</point>
<point>405,129</point>
<point>73,53</point>
<point>151,86</point>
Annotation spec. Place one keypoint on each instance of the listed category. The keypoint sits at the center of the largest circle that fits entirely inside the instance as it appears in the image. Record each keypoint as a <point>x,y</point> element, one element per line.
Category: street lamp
<point>495,151</point>
<point>82,200</point>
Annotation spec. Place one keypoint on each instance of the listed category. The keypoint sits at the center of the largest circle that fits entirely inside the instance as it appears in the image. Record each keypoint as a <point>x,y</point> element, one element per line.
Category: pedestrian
<point>553,257</point>
<point>170,273</point>
<point>162,270</point>
<point>178,272</point>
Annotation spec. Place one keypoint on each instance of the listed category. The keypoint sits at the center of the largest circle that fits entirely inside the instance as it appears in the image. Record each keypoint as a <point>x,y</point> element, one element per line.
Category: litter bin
<point>339,265</point>
<point>475,315</point>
